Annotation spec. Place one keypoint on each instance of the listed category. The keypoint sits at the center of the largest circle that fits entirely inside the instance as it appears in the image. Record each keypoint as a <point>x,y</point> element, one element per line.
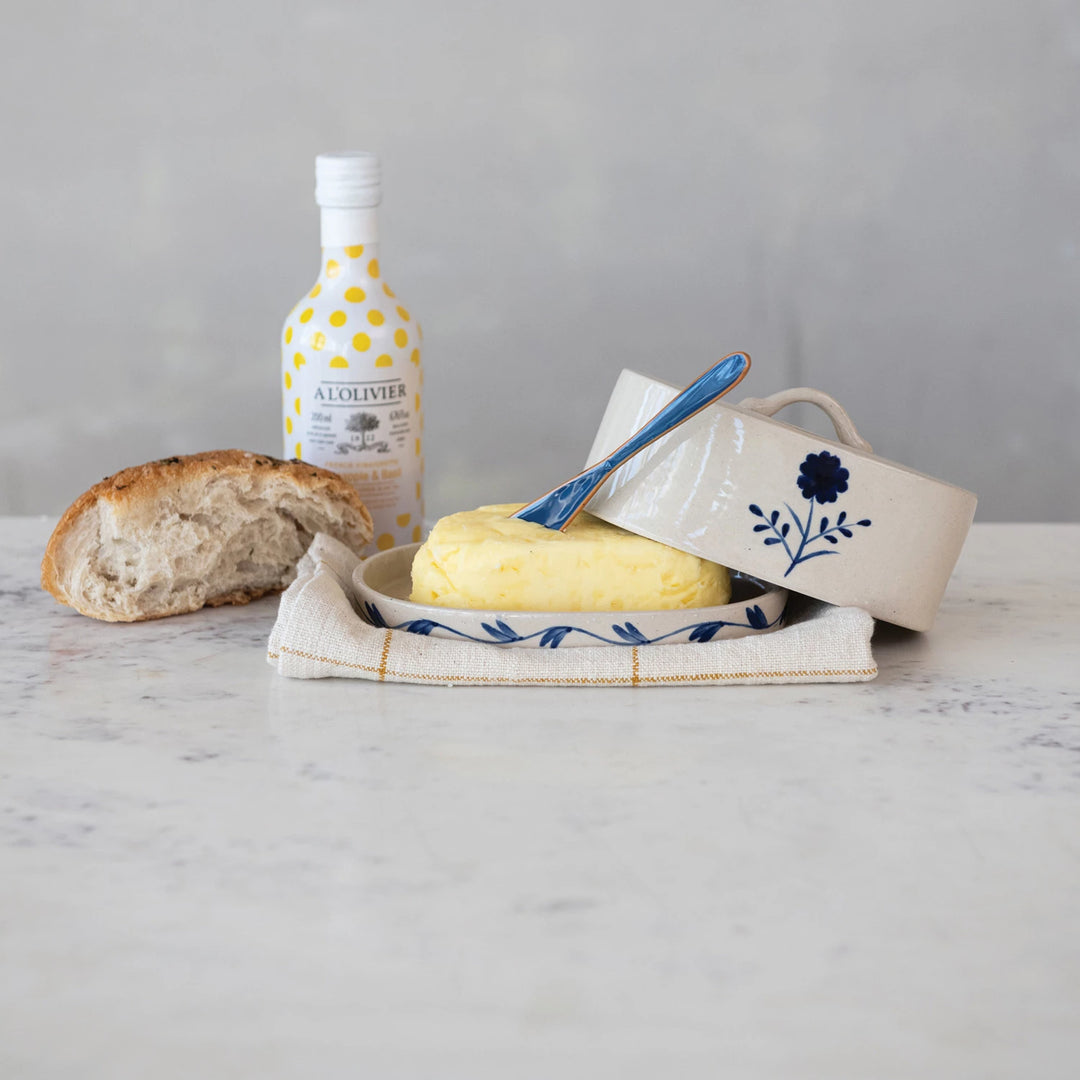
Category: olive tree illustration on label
<point>822,479</point>
<point>362,423</point>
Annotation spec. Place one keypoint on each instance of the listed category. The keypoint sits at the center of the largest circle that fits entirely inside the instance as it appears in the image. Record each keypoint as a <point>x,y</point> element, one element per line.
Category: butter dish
<point>383,583</point>
<point>823,517</point>
<point>319,633</point>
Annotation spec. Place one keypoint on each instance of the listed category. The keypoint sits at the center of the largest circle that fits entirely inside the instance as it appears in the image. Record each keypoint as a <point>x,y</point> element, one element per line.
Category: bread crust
<point>145,482</point>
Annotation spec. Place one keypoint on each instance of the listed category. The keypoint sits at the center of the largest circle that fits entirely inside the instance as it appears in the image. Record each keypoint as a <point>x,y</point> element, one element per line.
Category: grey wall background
<point>879,200</point>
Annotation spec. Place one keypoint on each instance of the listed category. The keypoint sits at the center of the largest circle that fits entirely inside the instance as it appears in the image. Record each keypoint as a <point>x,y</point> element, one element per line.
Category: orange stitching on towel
<point>328,660</point>
<point>645,680</point>
<point>385,654</point>
<point>634,666</point>
<point>725,676</point>
<point>529,680</point>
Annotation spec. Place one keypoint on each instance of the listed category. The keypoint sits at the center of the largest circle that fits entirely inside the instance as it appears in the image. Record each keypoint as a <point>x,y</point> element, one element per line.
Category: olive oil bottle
<point>350,351</point>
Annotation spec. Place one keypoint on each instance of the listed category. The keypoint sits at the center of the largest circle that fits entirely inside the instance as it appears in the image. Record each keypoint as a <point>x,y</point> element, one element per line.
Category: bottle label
<point>362,429</point>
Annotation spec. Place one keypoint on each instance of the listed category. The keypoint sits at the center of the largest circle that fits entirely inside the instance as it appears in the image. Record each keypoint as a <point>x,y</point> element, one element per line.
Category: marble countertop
<point>208,870</point>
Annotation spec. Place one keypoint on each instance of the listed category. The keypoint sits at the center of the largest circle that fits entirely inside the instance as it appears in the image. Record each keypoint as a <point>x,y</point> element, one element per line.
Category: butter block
<point>486,559</point>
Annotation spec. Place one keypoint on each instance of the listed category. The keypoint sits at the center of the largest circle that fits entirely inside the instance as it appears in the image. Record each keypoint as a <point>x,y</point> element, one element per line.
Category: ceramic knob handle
<point>843,425</point>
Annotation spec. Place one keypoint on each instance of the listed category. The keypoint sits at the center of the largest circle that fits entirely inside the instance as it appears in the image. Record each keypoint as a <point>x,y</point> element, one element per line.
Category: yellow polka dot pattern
<point>345,294</point>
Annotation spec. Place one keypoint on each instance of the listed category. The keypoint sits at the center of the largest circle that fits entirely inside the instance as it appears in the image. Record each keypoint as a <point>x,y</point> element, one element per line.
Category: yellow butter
<point>485,559</point>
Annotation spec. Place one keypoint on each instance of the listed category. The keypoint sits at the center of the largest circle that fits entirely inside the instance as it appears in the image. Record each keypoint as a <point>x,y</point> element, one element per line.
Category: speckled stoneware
<point>383,584</point>
<point>823,517</point>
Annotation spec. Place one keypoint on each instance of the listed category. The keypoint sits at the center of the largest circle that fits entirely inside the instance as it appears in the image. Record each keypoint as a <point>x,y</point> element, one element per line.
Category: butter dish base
<point>383,583</point>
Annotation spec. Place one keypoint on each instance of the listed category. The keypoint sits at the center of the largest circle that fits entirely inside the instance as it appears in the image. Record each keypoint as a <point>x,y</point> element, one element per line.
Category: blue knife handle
<point>559,507</point>
<point>701,392</point>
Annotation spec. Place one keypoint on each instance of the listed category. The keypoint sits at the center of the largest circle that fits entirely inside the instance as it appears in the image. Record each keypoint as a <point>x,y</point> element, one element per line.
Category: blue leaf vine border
<point>551,637</point>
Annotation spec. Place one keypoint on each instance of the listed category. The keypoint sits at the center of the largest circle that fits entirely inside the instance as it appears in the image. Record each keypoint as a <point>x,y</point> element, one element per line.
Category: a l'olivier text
<point>360,393</point>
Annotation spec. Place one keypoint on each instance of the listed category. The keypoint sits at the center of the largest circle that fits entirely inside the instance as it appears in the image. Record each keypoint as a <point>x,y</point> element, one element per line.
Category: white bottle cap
<point>349,179</point>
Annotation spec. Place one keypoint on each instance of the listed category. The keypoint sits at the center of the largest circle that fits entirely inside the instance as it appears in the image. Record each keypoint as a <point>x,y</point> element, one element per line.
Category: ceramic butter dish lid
<point>823,517</point>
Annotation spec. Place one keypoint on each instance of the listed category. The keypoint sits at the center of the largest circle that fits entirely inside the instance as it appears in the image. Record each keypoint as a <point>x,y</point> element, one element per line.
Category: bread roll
<point>171,536</point>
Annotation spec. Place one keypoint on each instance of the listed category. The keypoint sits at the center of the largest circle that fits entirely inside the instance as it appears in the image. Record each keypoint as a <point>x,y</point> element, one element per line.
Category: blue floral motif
<point>501,632</point>
<point>821,479</point>
<point>757,618</point>
<point>551,637</point>
<point>374,616</point>
<point>630,634</point>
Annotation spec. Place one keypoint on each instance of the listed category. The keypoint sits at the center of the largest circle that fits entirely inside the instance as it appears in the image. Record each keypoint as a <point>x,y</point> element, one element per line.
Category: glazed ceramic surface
<point>558,508</point>
<point>383,584</point>
<point>824,517</point>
